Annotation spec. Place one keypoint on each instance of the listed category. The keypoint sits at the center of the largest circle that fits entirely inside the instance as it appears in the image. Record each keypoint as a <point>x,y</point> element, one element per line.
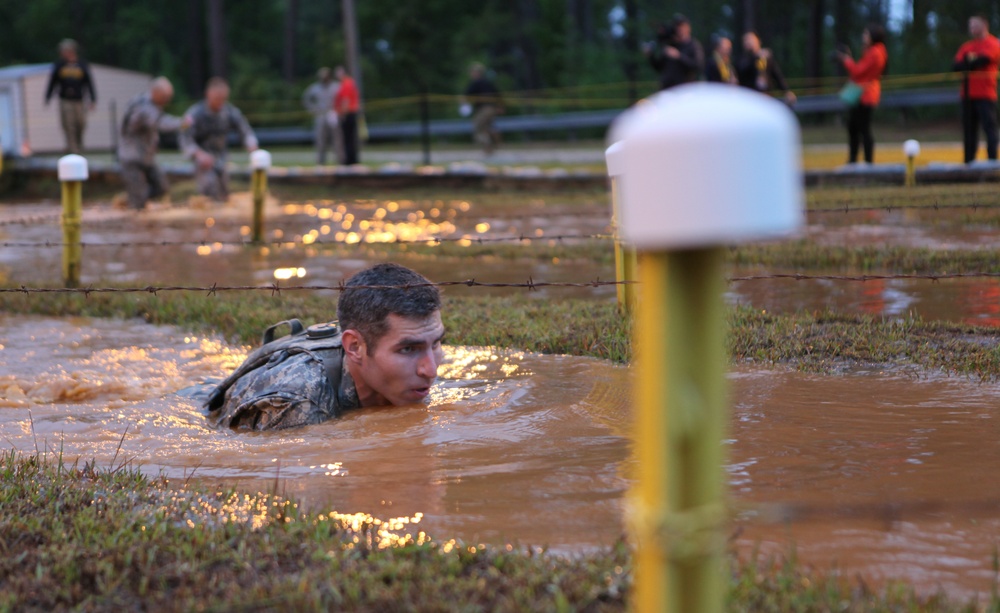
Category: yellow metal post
<point>259,186</point>
<point>625,258</point>
<point>679,216</point>
<point>72,201</point>
<point>72,172</point>
<point>260,161</point>
<point>682,410</point>
<point>911,149</point>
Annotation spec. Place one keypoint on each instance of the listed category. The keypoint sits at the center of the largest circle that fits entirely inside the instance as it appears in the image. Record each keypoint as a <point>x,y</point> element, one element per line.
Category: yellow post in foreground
<point>679,212</point>
<point>72,173</point>
<point>625,258</point>
<point>911,149</point>
<point>260,161</point>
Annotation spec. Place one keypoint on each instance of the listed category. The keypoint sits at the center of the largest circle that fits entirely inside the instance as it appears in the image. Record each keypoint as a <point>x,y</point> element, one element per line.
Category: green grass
<point>83,537</point>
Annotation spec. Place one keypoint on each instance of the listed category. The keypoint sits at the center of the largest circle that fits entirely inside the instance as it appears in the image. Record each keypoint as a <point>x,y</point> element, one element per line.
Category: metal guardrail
<point>405,130</point>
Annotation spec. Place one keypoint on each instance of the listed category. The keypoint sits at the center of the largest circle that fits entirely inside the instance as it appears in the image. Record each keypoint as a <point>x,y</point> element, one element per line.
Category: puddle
<point>215,253</point>
<point>974,301</point>
<point>889,476</point>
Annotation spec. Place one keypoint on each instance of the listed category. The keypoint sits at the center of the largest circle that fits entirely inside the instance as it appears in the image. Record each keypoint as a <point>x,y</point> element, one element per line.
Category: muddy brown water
<point>890,475</point>
<point>210,259</point>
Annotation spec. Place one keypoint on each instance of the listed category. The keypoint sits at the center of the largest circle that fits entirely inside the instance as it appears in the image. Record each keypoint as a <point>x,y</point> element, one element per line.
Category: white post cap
<point>615,158</point>
<point>260,160</point>
<point>911,148</point>
<point>73,167</point>
<point>708,164</point>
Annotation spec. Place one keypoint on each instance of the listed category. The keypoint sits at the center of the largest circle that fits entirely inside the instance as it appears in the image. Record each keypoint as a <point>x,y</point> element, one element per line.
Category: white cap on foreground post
<point>260,160</point>
<point>911,148</point>
<point>73,167</point>
<point>708,164</point>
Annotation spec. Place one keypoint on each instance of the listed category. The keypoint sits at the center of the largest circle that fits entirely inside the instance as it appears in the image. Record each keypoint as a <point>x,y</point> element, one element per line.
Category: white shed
<point>28,126</point>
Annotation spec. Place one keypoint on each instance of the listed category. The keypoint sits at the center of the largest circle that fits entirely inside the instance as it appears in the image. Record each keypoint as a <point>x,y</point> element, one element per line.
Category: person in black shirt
<point>71,76</point>
<point>680,58</point>
<point>719,68</point>
<point>484,97</point>
<point>758,70</point>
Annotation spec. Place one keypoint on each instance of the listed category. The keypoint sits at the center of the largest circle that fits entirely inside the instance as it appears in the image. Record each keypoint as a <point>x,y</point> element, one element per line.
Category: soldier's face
<point>403,365</point>
<point>215,97</point>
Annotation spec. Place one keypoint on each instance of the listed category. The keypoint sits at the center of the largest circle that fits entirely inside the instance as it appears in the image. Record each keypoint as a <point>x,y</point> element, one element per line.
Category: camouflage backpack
<point>284,383</point>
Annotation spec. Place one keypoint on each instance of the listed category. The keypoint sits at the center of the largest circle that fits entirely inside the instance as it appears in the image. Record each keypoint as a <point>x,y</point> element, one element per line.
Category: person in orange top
<point>978,59</point>
<point>347,103</point>
<point>866,72</point>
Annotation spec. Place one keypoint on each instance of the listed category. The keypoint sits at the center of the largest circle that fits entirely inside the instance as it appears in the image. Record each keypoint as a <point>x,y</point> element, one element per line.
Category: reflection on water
<point>299,237</point>
<point>535,449</point>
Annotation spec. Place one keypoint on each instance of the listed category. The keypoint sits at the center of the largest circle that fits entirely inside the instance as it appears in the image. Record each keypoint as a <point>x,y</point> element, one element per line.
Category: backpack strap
<point>294,324</point>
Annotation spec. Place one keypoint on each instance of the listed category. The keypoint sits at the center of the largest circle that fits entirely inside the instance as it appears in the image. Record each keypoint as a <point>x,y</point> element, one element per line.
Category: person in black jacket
<point>719,67</point>
<point>71,76</point>
<point>680,58</point>
<point>758,70</point>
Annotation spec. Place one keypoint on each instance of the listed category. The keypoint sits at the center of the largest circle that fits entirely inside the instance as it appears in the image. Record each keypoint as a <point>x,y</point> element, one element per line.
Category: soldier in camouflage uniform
<point>386,351</point>
<point>139,140</point>
<point>211,121</point>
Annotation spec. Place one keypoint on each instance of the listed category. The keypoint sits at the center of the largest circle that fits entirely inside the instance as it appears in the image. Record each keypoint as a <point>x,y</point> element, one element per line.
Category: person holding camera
<point>978,59</point>
<point>680,58</point>
<point>867,74</point>
<point>757,69</point>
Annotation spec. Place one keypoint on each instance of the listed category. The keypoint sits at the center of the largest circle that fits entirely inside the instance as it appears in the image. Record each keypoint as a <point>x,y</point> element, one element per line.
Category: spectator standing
<point>866,72</point>
<point>318,100</point>
<point>719,69</point>
<point>140,138</point>
<point>71,76</point>
<point>978,59</point>
<point>347,103</point>
<point>486,103</point>
<point>757,69</point>
<point>204,140</point>
<point>679,58</point>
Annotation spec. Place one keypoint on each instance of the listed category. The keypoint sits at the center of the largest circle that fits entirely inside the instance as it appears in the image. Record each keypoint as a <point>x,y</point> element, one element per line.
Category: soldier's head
<point>392,334</point>
<point>341,72</point>
<point>216,93</point>
<point>324,74</point>
<point>161,91</point>
<point>751,42</point>
<point>68,49</point>
<point>477,70</point>
<point>979,26</point>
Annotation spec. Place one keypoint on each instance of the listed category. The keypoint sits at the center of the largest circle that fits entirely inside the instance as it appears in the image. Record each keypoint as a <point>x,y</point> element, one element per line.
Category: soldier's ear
<point>354,345</point>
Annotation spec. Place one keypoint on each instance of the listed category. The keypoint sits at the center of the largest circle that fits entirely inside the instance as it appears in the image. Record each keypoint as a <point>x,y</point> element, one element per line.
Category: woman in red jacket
<point>866,72</point>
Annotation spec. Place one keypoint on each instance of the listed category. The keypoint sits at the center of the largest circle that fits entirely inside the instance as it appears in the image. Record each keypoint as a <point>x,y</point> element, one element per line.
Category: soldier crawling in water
<point>204,141</point>
<point>385,350</point>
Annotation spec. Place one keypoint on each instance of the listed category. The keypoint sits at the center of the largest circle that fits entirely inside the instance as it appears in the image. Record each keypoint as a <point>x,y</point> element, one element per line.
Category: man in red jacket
<point>347,103</point>
<point>978,59</point>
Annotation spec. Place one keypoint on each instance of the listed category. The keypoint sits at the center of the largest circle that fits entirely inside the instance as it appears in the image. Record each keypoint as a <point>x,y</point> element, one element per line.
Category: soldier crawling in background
<point>204,141</point>
<point>140,138</point>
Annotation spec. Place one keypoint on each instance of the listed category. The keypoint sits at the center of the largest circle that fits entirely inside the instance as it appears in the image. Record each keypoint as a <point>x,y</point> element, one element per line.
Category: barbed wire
<point>530,284</point>
<point>276,288</point>
<point>361,238</point>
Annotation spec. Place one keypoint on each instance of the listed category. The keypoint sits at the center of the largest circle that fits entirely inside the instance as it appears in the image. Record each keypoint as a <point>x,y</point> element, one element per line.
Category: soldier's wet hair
<point>366,309</point>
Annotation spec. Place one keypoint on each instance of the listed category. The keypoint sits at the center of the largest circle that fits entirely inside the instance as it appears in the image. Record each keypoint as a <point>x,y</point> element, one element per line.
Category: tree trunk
<point>217,47</point>
<point>196,47</point>
<point>843,24</point>
<point>632,50</point>
<point>351,42</point>
<point>527,11</point>
<point>291,35</point>
<point>814,53</point>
